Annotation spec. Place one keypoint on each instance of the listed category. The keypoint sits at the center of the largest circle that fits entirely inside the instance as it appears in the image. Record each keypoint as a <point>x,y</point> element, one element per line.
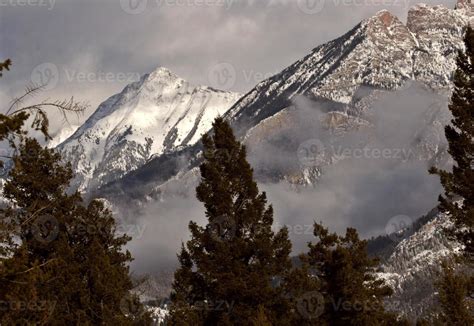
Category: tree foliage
<point>61,261</point>
<point>229,270</point>
<point>458,199</point>
<point>458,184</point>
<point>5,65</point>
<point>453,297</point>
<point>350,293</point>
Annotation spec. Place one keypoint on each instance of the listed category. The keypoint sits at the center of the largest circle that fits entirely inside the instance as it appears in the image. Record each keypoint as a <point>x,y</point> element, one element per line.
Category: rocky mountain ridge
<point>343,79</point>
<point>160,113</point>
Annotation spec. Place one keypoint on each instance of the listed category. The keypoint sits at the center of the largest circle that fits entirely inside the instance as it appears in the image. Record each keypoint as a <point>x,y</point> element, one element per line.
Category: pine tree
<point>53,269</point>
<point>458,200</point>
<point>459,184</point>
<point>236,260</point>
<point>302,288</point>
<point>453,297</point>
<point>69,256</point>
<point>350,293</point>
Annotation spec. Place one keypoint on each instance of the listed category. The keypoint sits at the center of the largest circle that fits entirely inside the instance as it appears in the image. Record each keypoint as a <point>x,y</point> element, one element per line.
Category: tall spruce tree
<point>458,199</point>
<point>60,260</point>
<point>453,289</point>
<point>69,256</point>
<point>350,293</point>
<point>230,268</point>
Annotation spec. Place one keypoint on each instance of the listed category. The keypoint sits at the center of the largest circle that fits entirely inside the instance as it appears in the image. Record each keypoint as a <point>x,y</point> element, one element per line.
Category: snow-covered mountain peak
<point>162,72</point>
<point>159,113</point>
<point>378,55</point>
<point>423,19</point>
<point>162,80</point>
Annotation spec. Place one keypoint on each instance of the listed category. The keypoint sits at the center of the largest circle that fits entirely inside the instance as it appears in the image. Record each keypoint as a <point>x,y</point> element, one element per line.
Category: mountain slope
<point>155,115</point>
<point>380,52</point>
<point>414,266</point>
<point>345,77</point>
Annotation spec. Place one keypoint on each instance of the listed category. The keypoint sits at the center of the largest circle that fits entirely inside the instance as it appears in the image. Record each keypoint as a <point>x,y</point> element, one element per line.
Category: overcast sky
<point>91,49</point>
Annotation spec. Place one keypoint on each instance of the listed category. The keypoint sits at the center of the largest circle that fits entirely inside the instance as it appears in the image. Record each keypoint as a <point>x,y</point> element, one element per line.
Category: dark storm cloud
<point>370,190</point>
<point>377,175</point>
<point>92,45</point>
<point>132,37</point>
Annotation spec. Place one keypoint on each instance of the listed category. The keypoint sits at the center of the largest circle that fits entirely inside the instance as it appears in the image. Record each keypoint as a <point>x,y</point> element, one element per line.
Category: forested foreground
<point>235,270</point>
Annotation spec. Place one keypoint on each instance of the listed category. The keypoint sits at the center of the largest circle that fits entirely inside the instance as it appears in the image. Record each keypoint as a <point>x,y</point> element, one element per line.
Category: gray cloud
<point>365,190</point>
<point>258,38</point>
<point>380,176</point>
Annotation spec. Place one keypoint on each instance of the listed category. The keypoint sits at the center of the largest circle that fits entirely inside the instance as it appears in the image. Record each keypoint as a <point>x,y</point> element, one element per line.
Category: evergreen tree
<point>458,200</point>
<point>459,184</point>
<point>302,288</point>
<point>69,256</point>
<point>453,297</point>
<point>60,260</point>
<point>351,294</point>
<point>236,260</point>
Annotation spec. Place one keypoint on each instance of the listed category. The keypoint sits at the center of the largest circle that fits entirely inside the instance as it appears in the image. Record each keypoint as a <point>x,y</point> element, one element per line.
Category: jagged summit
<point>156,114</point>
<point>385,16</point>
<point>160,70</point>
<point>380,54</point>
<point>162,76</point>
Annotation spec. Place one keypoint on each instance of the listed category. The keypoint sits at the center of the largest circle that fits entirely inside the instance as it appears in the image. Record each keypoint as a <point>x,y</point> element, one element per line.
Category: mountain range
<point>158,114</point>
<point>143,141</point>
<point>142,145</point>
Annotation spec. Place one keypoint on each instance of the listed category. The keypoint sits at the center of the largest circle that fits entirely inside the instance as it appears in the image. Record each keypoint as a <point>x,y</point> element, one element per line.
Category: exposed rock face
<point>347,75</point>
<point>158,114</point>
<point>153,125</point>
<point>380,52</point>
<point>414,266</point>
<point>468,7</point>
